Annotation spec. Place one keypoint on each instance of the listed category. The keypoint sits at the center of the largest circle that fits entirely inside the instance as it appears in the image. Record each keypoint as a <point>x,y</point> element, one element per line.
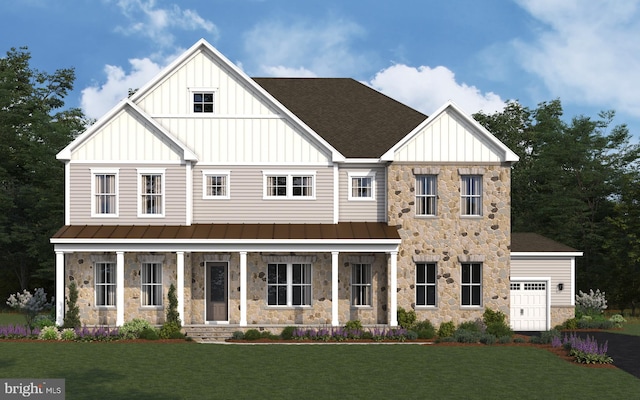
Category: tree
<point>72,316</point>
<point>33,128</point>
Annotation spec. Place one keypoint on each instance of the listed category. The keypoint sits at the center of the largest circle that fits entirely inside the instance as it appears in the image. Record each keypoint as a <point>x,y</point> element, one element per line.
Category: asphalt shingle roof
<point>527,242</point>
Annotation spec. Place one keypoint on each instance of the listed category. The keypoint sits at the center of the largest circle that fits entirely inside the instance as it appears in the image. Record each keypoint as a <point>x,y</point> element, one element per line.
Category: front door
<point>217,292</point>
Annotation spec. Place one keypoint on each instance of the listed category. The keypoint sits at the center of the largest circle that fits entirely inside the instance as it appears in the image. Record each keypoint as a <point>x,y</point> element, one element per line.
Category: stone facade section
<point>559,314</point>
<point>451,238</point>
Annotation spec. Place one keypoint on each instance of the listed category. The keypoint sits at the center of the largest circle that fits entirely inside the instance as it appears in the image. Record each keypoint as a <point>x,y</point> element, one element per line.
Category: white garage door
<point>528,306</point>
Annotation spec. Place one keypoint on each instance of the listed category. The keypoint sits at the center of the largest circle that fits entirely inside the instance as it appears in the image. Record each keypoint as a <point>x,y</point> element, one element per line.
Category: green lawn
<point>10,318</point>
<point>217,371</point>
<point>632,327</point>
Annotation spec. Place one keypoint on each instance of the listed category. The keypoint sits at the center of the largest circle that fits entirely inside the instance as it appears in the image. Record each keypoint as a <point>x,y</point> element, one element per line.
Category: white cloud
<point>148,20</point>
<point>301,47</point>
<point>426,89</point>
<point>586,52</point>
<point>97,100</point>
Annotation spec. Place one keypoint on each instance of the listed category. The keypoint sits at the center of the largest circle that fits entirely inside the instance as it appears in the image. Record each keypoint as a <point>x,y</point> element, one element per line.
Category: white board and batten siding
<point>246,202</point>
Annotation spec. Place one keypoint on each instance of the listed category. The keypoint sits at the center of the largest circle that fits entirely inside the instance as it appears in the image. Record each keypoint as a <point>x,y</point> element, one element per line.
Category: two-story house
<point>277,202</point>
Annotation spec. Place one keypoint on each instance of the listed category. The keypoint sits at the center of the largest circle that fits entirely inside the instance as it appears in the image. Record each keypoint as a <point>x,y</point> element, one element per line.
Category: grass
<point>632,327</point>
<point>197,371</point>
<point>11,318</point>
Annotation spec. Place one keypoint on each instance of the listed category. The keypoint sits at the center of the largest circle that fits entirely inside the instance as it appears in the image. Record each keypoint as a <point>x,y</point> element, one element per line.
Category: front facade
<point>281,202</point>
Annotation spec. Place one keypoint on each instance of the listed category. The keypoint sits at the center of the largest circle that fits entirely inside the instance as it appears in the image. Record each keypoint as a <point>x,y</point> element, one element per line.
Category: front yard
<point>183,370</point>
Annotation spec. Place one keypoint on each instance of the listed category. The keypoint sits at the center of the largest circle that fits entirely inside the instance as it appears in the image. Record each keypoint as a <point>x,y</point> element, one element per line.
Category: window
<point>104,198</point>
<point>215,184</point>
<point>289,284</point>
<point>361,285</point>
<point>151,190</point>
<point>203,102</point>
<point>151,286</point>
<point>471,195</point>
<point>362,187</point>
<point>426,194</point>
<point>289,185</point>
<point>426,284</point>
<point>105,284</point>
<point>471,284</point>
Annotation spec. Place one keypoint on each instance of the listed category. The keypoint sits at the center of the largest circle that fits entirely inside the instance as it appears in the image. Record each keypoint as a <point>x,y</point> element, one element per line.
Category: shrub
<point>589,323</point>
<point>487,338</point>
<point>172,311</point>
<point>132,329</point>
<point>149,334</point>
<point>617,320</point>
<point>171,330</point>
<point>237,335</point>
<point>570,324</point>
<point>499,329</point>
<point>507,339</point>
<point>29,304</point>
<point>42,321</point>
<point>489,316</point>
<point>592,304</point>
<point>68,334</point>
<point>252,334</point>
<point>353,325</point>
<point>518,340</point>
<point>72,316</point>
<point>287,333</point>
<point>469,326</point>
<point>465,336</point>
<point>547,337</point>
<point>425,330</point>
<point>406,319</point>
<point>446,329</point>
<point>585,351</point>
<point>411,335</point>
<point>49,333</point>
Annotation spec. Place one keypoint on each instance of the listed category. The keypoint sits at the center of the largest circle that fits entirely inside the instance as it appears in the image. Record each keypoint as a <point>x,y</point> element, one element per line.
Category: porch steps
<point>208,333</point>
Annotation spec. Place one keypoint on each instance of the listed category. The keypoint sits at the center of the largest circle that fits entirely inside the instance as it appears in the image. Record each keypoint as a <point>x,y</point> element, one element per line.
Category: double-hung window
<point>361,285</point>
<point>104,196</point>
<point>105,284</point>
<point>471,195</point>
<point>151,193</point>
<point>151,284</point>
<point>289,185</point>
<point>288,284</point>
<point>471,284</point>
<point>362,186</point>
<point>215,184</point>
<point>426,289</point>
<point>426,194</point>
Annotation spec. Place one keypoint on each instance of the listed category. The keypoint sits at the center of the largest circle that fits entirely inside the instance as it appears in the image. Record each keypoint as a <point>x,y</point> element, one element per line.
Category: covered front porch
<point>238,275</point>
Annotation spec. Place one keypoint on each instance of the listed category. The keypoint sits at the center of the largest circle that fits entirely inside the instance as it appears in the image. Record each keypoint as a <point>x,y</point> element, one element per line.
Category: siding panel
<point>558,269</point>
<point>357,210</point>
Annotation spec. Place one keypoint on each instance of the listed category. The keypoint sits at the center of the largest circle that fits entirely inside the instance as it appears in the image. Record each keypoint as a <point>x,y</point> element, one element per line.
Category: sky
<point>479,54</point>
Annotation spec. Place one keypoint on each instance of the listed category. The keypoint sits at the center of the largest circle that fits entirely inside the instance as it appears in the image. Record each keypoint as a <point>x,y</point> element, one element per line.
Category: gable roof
<point>529,242</point>
<point>341,109</point>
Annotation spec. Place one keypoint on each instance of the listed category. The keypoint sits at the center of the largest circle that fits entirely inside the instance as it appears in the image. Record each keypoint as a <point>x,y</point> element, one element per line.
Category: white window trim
<point>369,285</point>
<point>100,171</point>
<point>289,285</point>
<point>369,174</point>
<point>215,172</point>
<point>481,285</point>
<point>142,285</point>
<point>96,284</point>
<point>435,196</point>
<point>151,171</point>
<point>289,175</point>
<point>478,196</point>
<point>435,284</point>
<point>193,90</point>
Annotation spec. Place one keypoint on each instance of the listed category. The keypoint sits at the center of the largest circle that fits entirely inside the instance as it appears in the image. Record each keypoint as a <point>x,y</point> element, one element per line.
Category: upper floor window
<point>426,194</point>
<point>471,195</point>
<point>289,185</point>
<point>426,289</point>
<point>104,197</point>
<point>215,184</point>
<point>151,193</point>
<point>361,186</point>
<point>203,102</point>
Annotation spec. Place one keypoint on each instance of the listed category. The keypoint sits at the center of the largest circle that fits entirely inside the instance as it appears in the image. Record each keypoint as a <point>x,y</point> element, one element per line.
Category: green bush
<point>287,332</point>
<point>68,334</point>
<point>446,329</point>
<point>499,329</point>
<point>353,325</point>
<point>487,338</point>
<point>489,316</point>
<point>519,340</point>
<point>570,324</point>
<point>237,335</point>
<point>72,316</point>
<point>132,329</point>
<point>149,334</point>
<point>425,330</point>
<point>411,335</point>
<point>617,320</point>
<point>465,336</point>
<point>252,334</point>
<point>507,339</point>
<point>469,326</point>
<point>171,330</point>
<point>406,319</point>
<point>587,323</point>
<point>42,321</point>
<point>547,336</point>
<point>49,333</point>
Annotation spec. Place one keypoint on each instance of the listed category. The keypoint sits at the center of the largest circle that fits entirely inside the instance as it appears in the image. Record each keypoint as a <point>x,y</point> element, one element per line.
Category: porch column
<point>393,289</point>
<point>180,284</point>
<point>335,320</point>
<point>59,288</point>
<point>119,288</point>
<point>243,288</point>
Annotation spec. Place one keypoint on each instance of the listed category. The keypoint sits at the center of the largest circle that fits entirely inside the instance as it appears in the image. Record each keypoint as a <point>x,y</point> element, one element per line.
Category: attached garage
<point>542,289</point>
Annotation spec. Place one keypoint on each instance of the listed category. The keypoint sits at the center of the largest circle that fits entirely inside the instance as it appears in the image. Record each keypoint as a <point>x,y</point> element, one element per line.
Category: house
<point>273,202</point>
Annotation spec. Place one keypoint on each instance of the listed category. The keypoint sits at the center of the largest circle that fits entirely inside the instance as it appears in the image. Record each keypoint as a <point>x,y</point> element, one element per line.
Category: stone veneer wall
<point>559,314</point>
<point>449,238</point>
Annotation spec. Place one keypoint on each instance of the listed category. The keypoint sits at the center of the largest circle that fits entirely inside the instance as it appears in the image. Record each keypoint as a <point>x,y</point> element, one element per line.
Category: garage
<point>529,305</point>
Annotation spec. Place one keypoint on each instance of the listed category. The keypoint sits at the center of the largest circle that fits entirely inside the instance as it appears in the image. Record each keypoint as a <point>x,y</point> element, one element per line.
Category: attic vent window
<point>203,102</point>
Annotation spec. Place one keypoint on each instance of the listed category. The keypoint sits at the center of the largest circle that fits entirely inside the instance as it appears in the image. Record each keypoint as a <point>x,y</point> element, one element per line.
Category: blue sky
<point>422,52</point>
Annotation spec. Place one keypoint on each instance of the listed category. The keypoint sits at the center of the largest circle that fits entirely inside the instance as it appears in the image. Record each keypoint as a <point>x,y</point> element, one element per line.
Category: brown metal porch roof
<point>339,231</point>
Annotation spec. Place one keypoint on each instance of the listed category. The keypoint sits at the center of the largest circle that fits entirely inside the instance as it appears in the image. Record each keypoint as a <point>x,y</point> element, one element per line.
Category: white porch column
<point>393,289</point>
<point>119,288</point>
<point>59,288</point>
<point>335,319</point>
<point>180,284</point>
<point>243,288</point>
